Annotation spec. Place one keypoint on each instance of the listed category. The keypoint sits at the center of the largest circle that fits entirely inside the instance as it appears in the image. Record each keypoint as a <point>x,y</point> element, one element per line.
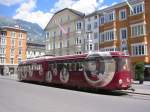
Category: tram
<point>96,70</point>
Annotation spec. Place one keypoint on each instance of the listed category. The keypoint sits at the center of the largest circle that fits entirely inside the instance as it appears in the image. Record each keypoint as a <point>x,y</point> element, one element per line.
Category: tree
<point>139,72</point>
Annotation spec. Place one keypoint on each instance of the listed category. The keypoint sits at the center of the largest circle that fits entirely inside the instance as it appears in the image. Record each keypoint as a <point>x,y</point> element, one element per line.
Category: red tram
<point>102,70</point>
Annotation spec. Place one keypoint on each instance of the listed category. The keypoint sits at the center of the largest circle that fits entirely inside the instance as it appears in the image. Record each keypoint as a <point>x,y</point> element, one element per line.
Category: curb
<point>140,93</point>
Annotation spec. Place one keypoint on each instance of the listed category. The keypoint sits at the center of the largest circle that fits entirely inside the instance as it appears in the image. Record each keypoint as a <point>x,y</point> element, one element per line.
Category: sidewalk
<point>13,76</point>
<point>143,89</point>
<point>144,83</point>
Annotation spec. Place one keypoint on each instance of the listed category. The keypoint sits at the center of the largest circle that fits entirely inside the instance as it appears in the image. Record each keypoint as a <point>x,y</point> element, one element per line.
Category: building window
<point>95,17</point>
<point>47,45</point>
<point>54,39</point>
<point>60,44</point>
<point>20,35</point>
<point>79,26</point>
<point>91,47</point>
<point>124,48</point>
<point>102,37</point>
<point>96,47</point>
<point>78,41</point>
<point>12,60</point>
<point>138,30</point>
<point>19,60</point>
<point>12,42</point>
<point>13,34</point>
<point>102,20</point>
<point>68,18</point>
<point>2,41</point>
<point>137,9</point>
<point>108,35</point>
<point>89,27</point>
<point>122,14</point>
<point>3,34</point>
<point>47,35</point>
<point>95,35</point>
<point>2,50</point>
<point>68,43</point>
<point>12,51</point>
<point>61,20</point>
<point>95,25</point>
<point>109,17</point>
<point>123,33</point>
<point>139,49</point>
<point>68,30</point>
<point>60,33</point>
<point>20,51</point>
<point>113,48</point>
<point>2,60</point>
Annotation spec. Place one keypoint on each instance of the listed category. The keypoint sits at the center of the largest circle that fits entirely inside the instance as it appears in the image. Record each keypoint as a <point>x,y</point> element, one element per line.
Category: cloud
<point>87,6</point>
<point>10,2</point>
<point>26,12</point>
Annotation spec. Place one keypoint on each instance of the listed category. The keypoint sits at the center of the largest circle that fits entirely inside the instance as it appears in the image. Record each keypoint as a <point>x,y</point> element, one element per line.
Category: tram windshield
<point>100,65</point>
<point>107,65</point>
<point>124,63</point>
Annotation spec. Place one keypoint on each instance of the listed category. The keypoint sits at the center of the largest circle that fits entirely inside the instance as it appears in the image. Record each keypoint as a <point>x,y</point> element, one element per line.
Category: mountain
<point>34,31</point>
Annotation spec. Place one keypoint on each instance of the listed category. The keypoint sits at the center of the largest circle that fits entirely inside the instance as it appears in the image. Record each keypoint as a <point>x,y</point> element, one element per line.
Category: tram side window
<point>73,67</point>
<point>32,67</point>
<point>55,66</point>
<point>59,66</point>
<point>77,66</point>
<point>81,67</point>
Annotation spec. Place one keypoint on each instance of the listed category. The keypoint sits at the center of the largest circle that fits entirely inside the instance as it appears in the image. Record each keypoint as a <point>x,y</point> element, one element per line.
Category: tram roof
<point>73,57</point>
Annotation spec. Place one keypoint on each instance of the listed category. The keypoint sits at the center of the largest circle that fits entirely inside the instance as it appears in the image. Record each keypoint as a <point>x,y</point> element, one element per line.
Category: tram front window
<point>94,66</point>
<point>124,64</point>
<point>91,66</point>
<point>101,66</point>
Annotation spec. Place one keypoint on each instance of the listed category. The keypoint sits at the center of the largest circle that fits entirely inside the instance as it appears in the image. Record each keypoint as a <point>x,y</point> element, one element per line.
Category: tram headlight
<point>125,67</point>
<point>128,80</point>
<point>120,81</point>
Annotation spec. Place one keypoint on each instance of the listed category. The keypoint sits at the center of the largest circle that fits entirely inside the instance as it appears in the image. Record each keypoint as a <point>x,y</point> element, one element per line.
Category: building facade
<point>91,32</point>
<point>65,33</point>
<point>117,28</point>
<point>35,49</point>
<point>12,48</point>
<point>127,29</point>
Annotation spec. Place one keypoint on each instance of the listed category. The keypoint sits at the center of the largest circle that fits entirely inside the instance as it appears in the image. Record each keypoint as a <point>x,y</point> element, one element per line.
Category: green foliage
<point>139,71</point>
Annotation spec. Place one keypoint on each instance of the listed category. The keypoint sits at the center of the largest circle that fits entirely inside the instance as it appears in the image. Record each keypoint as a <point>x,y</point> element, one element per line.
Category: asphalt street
<point>25,97</point>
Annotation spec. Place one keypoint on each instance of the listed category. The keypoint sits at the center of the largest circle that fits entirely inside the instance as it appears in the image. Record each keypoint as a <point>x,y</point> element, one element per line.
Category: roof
<point>91,14</point>
<point>14,28</point>
<point>118,5</point>
<point>74,57</point>
<point>71,10</point>
<point>35,44</point>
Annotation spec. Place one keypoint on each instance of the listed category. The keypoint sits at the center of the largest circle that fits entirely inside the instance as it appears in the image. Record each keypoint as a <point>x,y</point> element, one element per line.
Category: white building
<point>92,32</point>
<point>35,49</point>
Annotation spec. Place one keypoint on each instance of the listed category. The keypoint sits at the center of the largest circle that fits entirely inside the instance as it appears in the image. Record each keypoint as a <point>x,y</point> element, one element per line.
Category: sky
<point>41,11</point>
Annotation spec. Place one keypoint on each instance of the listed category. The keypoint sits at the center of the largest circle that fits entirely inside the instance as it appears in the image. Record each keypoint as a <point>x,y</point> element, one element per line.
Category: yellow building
<point>127,29</point>
<point>12,48</point>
